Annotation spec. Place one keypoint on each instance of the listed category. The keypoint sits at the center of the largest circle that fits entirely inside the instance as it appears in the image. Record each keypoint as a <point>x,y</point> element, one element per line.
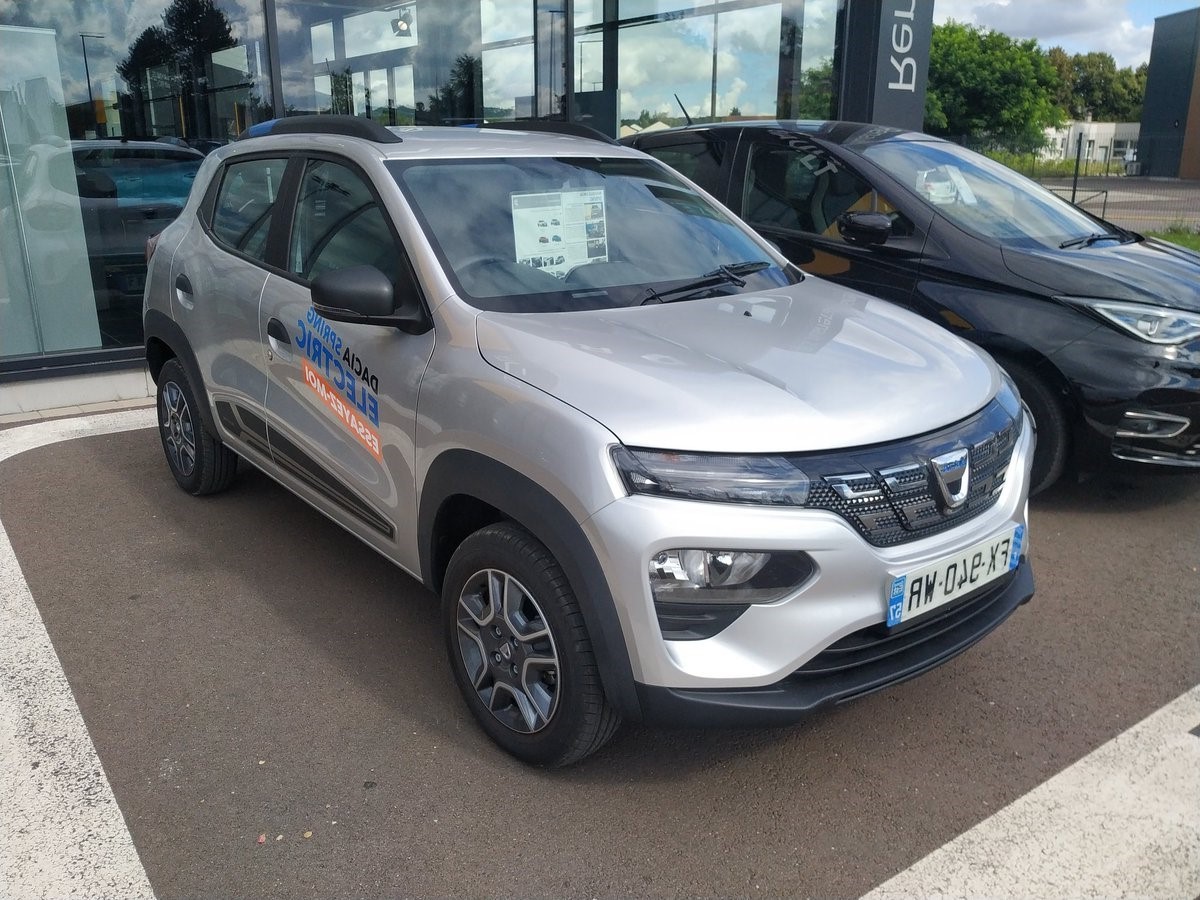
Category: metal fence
<point>1137,203</point>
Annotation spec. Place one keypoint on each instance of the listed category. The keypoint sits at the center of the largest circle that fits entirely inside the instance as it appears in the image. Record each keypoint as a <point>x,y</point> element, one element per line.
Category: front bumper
<point>770,642</point>
<point>1140,403</point>
<point>862,663</point>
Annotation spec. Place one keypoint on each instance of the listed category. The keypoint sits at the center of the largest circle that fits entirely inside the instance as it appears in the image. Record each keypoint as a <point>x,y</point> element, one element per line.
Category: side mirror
<point>364,295</point>
<point>864,228</point>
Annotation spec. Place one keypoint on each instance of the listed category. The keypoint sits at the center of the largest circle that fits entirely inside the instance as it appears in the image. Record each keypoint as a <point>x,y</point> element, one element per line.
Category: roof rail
<point>552,126</point>
<point>347,126</point>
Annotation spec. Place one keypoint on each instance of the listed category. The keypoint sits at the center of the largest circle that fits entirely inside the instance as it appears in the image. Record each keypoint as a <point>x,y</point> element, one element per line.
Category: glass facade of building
<point>108,106</point>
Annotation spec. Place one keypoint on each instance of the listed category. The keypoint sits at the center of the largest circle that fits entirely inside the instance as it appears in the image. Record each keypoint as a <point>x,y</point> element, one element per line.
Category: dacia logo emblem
<point>952,475</point>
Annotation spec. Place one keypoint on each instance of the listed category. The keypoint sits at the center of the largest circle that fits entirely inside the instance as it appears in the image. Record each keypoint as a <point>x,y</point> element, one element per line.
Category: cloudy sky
<point>1123,28</point>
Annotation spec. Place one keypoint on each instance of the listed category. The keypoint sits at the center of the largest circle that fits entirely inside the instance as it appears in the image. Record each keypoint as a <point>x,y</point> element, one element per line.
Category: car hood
<point>1146,271</point>
<point>810,367</point>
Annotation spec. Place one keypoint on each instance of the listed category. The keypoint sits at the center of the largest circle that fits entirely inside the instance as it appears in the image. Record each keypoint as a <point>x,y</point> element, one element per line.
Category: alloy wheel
<point>179,434</point>
<point>508,651</point>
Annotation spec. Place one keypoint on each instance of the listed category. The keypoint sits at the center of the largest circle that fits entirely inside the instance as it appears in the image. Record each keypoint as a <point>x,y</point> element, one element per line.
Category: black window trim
<point>275,255</point>
<point>667,140</point>
<point>879,181</point>
<point>285,200</point>
<point>279,252</point>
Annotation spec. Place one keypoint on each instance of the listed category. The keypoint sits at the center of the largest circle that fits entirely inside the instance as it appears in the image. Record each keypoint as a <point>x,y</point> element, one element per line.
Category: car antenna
<point>684,108</point>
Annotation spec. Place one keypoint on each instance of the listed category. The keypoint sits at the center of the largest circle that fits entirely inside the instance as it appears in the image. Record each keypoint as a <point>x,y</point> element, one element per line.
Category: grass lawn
<point>1183,238</point>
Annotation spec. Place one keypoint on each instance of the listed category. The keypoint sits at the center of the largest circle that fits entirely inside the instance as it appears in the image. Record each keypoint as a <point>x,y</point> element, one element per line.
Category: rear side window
<point>245,203</point>
<point>697,157</point>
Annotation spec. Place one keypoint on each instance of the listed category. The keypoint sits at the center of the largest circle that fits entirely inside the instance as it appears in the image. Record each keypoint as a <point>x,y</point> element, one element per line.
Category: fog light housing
<point>1136,424</point>
<point>700,592</point>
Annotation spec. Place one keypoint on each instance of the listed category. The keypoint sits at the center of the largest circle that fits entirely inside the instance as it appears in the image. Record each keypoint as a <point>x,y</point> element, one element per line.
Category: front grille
<point>889,493</point>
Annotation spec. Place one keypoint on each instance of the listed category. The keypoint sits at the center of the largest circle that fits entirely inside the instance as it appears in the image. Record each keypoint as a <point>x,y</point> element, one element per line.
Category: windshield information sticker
<point>557,231</point>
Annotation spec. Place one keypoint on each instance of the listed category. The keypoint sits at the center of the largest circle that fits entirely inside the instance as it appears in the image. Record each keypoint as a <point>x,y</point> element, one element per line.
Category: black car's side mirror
<point>864,228</point>
<point>364,295</point>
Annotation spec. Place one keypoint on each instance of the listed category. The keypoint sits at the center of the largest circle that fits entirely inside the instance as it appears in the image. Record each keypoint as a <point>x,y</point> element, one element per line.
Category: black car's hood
<point>1146,271</point>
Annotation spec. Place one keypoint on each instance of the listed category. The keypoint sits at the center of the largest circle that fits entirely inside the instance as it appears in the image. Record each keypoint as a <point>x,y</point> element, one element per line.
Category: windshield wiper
<point>727,274</point>
<point>1088,239</point>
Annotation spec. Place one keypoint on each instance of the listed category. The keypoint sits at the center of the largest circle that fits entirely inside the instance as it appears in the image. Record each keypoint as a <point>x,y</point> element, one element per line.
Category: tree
<point>459,99</point>
<point>175,56</point>
<point>1108,93</point>
<point>1092,83</point>
<point>813,96</point>
<point>990,87</point>
<point>1061,60</point>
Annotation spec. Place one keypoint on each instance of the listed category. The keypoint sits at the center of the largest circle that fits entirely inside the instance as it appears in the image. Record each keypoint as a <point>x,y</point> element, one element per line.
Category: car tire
<point>200,462</point>
<point>1050,419</point>
<point>520,650</point>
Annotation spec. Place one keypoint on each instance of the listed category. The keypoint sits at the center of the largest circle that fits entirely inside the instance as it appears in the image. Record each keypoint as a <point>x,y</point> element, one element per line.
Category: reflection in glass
<point>629,9</point>
<point>405,93</point>
<point>588,12</point>
<point>508,81</point>
<point>401,63</point>
<point>101,133</point>
<point>812,96</point>
<point>503,20</point>
<point>720,65</point>
<point>321,36</point>
<point>45,297</point>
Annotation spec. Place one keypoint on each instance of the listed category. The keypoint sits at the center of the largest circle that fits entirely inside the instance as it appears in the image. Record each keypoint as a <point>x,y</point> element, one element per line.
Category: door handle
<point>276,330</point>
<point>280,344</point>
<point>183,291</point>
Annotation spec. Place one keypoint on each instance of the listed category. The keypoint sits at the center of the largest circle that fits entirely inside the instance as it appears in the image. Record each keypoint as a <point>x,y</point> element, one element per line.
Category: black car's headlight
<point>1154,324</point>
<point>1009,397</point>
<point>724,478</point>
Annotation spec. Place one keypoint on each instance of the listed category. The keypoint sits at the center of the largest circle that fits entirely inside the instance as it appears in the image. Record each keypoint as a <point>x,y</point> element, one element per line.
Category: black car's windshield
<point>550,234</point>
<point>987,198</point>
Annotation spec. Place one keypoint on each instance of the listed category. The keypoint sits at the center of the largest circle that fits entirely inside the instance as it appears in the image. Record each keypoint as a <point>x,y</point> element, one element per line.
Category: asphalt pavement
<point>1138,203</point>
<point>272,708</point>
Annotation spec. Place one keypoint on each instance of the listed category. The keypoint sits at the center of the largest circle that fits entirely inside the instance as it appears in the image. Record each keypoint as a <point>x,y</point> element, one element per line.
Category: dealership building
<point>107,105</point>
<point>1169,145</point>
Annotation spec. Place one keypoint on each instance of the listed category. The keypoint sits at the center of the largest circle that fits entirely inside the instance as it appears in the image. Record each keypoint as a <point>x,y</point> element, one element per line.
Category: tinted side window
<point>245,204</point>
<point>697,158</point>
<point>804,189</point>
<point>338,224</point>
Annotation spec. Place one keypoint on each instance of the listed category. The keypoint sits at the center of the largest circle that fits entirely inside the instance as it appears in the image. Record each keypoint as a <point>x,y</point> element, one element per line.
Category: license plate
<point>922,590</point>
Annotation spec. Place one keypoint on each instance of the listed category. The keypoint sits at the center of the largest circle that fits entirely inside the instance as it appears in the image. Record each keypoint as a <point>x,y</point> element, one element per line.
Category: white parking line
<point>1124,821</point>
<point>62,834</point>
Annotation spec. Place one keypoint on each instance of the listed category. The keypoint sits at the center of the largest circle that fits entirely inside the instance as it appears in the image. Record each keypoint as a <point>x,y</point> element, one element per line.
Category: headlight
<point>1009,397</point>
<point>769,480</point>
<point>1155,324</point>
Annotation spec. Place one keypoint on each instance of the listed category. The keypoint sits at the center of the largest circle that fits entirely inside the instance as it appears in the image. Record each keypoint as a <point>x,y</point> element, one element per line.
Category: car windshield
<point>558,234</point>
<point>985,197</point>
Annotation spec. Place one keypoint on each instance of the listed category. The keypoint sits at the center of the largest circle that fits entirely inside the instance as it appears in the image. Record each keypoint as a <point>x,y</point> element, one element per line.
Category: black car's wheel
<point>520,650</point>
<point>1050,418</point>
<point>199,461</point>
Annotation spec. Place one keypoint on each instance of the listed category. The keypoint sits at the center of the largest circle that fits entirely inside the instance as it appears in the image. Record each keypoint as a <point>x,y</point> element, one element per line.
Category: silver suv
<point>655,472</point>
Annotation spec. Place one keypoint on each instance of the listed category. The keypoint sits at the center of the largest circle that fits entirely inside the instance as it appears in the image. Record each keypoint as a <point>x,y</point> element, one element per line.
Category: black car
<point>1099,327</point>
